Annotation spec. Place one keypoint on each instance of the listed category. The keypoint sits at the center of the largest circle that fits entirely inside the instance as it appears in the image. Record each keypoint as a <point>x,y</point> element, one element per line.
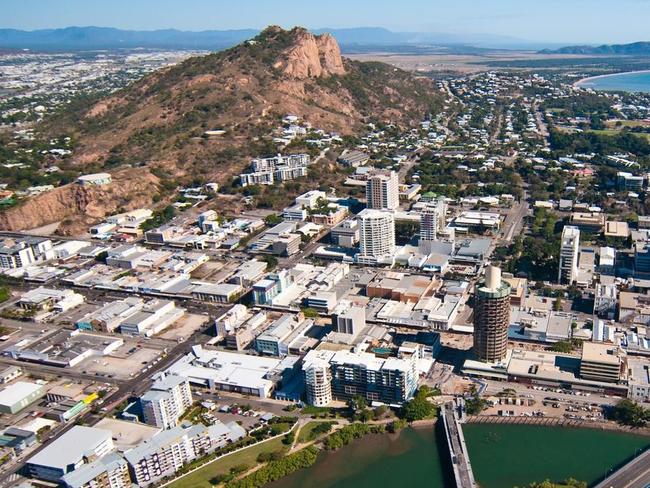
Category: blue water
<point>628,82</point>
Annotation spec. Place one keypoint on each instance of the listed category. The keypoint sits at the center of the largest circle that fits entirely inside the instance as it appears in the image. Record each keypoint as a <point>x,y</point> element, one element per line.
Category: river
<point>502,456</point>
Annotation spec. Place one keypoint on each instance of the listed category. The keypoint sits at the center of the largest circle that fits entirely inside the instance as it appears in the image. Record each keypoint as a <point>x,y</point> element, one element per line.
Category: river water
<point>502,456</point>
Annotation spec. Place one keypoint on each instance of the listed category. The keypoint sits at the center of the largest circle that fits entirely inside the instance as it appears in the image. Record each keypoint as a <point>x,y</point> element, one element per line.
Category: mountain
<point>158,124</point>
<point>633,49</point>
<point>94,38</point>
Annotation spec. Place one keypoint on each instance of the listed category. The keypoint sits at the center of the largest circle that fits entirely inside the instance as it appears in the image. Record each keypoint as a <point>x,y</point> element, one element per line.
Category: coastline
<point>581,81</point>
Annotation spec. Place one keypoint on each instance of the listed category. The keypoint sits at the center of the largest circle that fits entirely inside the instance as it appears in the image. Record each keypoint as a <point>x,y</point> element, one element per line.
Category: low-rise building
<point>600,362</point>
<point>70,451</point>
<point>46,299</point>
<point>110,471</point>
<point>19,395</point>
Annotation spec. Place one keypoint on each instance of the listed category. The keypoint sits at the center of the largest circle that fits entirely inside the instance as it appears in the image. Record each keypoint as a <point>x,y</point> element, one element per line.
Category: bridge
<point>635,474</point>
<point>463,475</point>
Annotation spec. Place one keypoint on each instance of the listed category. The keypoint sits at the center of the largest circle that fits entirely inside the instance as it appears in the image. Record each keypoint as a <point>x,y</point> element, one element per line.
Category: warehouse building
<point>19,395</point>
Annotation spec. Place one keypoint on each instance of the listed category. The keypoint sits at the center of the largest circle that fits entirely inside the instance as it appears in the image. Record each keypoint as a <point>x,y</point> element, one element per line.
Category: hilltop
<point>633,49</point>
<point>157,126</point>
<point>162,119</point>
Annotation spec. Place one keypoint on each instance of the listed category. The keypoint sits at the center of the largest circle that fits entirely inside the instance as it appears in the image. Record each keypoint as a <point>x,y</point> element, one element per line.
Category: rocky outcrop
<point>76,206</point>
<point>312,56</point>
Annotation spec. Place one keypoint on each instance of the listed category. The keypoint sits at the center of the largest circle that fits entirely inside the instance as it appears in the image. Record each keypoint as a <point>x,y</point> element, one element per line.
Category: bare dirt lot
<point>184,328</point>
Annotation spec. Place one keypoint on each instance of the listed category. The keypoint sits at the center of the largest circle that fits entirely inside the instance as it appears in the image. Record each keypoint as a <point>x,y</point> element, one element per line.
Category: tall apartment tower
<point>164,404</point>
<point>376,236</point>
<point>568,268</point>
<point>432,222</point>
<point>491,317</point>
<point>382,190</point>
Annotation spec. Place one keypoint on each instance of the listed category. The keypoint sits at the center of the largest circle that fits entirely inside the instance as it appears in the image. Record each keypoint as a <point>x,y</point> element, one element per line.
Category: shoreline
<point>589,78</point>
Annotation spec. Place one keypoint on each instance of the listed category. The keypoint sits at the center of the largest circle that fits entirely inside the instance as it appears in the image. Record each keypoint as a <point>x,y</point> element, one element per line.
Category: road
<point>134,387</point>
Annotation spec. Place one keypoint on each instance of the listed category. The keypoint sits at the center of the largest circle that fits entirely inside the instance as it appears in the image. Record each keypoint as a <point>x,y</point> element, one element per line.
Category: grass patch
<point>312,430</point>
<point>248,457</point>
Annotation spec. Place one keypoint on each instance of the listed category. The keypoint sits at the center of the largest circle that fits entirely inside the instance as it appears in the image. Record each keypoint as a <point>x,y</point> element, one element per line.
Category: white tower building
<point>568,268</point>
<point>382,190</point>
<point>376,236</point>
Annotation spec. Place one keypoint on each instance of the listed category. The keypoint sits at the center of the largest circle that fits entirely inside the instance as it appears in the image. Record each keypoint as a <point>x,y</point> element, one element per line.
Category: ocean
<point>638,81</point>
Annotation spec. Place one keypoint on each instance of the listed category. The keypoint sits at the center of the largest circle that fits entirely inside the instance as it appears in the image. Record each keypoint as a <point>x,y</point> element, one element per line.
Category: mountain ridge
<point>640,48</point>
<point>95,38</point>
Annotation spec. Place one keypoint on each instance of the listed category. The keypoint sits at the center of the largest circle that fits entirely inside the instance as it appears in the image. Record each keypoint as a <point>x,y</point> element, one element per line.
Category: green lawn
<point>305,432</point>
<point>613,132</point>
<point>202,477</point>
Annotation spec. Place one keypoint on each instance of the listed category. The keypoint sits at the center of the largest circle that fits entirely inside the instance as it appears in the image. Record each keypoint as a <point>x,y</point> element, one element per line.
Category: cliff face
<point>311,57</point>
<point>77,206</point>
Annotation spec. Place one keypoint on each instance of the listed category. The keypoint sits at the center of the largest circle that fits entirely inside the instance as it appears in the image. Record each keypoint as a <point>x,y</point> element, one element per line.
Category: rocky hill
<point>162,119</point>
<point>157,126</point>
<point>76,207</point>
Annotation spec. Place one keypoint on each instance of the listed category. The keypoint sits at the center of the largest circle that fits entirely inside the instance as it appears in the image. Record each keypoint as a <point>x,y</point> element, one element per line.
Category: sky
<point>551,21</point>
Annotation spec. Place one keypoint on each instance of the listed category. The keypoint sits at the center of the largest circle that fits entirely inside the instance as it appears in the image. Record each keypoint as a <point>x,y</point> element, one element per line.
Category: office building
<point>569,246</point>
<point>491,317</point>
<point>376,237</point>
<point>382,190</point>
<point>600,362</point>
<point>349,318</point>
<point>164,404</point>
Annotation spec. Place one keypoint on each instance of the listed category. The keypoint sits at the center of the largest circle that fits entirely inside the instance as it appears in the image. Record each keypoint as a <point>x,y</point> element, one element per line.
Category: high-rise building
<point>376,236</point>
<point>568,268</point>
<point>166,401</point>
<point>318,377</point>
<point>382,190</point>
<point>432,222</point>
<point>491,317</point>
<point>345,374</point>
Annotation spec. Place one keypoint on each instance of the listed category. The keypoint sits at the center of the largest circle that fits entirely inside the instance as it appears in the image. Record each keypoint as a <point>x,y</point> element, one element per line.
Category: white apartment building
<point>166,452</point>
<point>568,269</point>
<point>166,401</point>
<point>24,251</point>
<point>318,377</point>
<point>382,190</point>
<point>376,236</point>
<point>432,222</point>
